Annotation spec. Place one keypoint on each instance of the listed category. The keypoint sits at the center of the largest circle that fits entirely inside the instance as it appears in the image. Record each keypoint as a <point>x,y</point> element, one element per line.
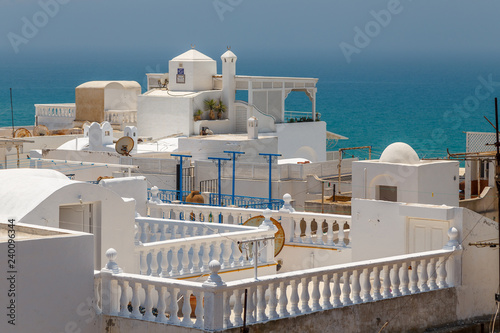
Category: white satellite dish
<point>124,145</point>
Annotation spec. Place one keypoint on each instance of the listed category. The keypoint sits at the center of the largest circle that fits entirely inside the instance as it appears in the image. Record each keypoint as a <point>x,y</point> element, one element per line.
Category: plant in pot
<point>210,106</point>
<point>197,115</point>
<point>220,108</point>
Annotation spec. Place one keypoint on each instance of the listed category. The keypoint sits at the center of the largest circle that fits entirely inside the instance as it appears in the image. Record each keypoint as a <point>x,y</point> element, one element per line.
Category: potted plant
<point>197,115</point>
<point>220,108</point>
<point>210,105</point>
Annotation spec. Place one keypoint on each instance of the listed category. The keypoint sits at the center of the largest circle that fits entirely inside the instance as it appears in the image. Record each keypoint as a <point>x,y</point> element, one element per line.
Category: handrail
<point>256,108</point>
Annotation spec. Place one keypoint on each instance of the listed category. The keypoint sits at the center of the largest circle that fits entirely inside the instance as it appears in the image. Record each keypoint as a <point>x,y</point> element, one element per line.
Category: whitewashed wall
<point>54,282</point>
<point>306,140</point>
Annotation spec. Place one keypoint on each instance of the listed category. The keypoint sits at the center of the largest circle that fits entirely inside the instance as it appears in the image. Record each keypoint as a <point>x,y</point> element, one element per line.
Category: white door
<point>427,235</point>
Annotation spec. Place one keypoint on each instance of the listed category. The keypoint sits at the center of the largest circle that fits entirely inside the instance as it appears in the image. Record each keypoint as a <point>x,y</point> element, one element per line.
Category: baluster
<point>143,263</point>
<point>196,259</point>
<point>152,231</point>
<point>432,275</point>
<point>227,310</point>
<point>319,233</point>
<point>283,301</point>
<point>308,232</point>
<point>164,263</point>
<point>199,311</point>
<point>238,308</point>
<point>173,234</point>
<point>315,295</point>
<point>174,262</point>
<point>136,302</point>
<point>154,263</point>
<point>356,287</point>
<point>273,301</point>
<point>138,234</point>
<point>296,231</point>
<point>174,307</point>
<point>395,281</point>
<point>326,293</point>
<point>404,280</point>
<point>376,284</point>
<point>346,289</point>
<point>124,299</point>
<point>251,305</point>
<point>304,296</point>
<point>386,282</point>
<point>185,260</point>
<point>336,291</point>
<point>442,273</point>
<point>236,256</point>
<point>148,304</point>
<point>423,275</point>
<point>366,286</point>
<point>245,253</point>
<point>97,295</point>
<point>294,299</point>
<point>414,277</point>
<point>261,303</point>
<point>226,254</point>
<point>162,306</point>
<point>329,234</point>
<point>143,233</point>
<point>341,234</point>
<point>162,232</point>
<point>186,309</point>
<point>205,258</point>
<point>216,251</point>
<point>183,231</point>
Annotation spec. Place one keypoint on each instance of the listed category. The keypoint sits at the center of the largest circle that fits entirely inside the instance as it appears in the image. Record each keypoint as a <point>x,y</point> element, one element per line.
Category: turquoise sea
<point>425,103</point>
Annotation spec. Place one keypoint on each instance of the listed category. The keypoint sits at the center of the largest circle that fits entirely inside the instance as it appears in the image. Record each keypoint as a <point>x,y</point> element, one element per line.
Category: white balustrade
<point>121,116</point>
<point>189,256</point>
<point>313,229</point>
<point>56,110</point>
<point>219,305</point>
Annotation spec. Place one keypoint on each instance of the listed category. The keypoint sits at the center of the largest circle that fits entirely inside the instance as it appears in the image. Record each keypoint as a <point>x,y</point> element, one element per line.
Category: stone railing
<point>184,249</point>
<point>56,110</point>
<point>216,305</point>
<point>330,230</point>
<point>121,117</point>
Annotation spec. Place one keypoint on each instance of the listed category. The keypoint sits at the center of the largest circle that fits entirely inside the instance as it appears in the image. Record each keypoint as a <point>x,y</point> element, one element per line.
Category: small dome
<point>192,55</point>
<point>399,152</point>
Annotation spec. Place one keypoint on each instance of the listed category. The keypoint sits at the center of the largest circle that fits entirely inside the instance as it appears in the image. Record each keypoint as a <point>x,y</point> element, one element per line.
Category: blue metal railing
<point>244,201</point>
<point>167,196</point>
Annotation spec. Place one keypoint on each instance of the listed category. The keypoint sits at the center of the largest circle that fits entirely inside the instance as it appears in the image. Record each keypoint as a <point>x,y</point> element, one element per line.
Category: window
<point>387,193</point>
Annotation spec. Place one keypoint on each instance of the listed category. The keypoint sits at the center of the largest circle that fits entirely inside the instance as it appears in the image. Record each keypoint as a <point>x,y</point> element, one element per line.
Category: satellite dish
<point>22,133</point>
<point>124,145</point>
<point>40,130</point>
<point>279,236</point>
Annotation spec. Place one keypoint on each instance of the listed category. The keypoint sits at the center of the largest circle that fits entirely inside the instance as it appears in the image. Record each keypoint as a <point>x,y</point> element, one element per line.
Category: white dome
<point>399,152</point>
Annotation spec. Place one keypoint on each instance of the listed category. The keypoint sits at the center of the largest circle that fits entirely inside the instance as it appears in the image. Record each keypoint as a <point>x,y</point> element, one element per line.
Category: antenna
<point>12,112</point>
<point>124,145</point>
<point>40,130</point>
<point>22,133</point>
<point>497,180</point>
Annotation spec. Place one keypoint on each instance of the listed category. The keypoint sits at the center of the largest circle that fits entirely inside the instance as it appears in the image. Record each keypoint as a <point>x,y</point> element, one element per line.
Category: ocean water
<point>427,104</point>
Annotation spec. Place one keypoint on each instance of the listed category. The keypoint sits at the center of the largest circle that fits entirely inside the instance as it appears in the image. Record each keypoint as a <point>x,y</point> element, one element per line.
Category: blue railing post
<point>270,157</point>
<point>234,165</point>
<point>219,159</point>
<point>180,173</point>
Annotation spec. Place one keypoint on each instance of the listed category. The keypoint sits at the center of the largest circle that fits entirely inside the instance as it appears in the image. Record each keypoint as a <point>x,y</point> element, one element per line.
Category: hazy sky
<point>423,28</point>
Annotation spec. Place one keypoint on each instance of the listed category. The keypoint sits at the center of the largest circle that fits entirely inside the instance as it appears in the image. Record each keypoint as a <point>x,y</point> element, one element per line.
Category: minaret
<point>229,84</point>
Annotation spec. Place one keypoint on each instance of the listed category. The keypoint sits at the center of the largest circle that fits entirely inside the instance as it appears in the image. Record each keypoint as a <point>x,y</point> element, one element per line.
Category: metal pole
<point>12,112</point>
<point>234,170</point>
<point>180,173</point>
<point>322,196</point>
<point>219,159</point>
<point>244,329</point>
<point>497,181</point>
<point>255,258</point>
<point>270,156</point>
